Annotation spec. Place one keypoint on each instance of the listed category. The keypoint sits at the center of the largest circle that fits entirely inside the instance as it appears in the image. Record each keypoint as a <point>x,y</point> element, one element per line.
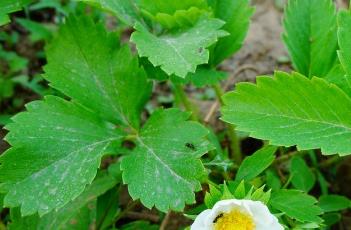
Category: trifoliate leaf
<point>292,110</point>
<point>10,6</point>
<point>310,35</point>
<point>164,169</point>
<point>125,10</point>
<point>333,203</point>
<point>253,165</point>
<point>297,205</point>
<point>180,52</point>
<point>62,218</point>
<point>302,176</point>
<point>57,147</point>
<point>236,14</point>
<point>86,64</point>
<point>344,34</point>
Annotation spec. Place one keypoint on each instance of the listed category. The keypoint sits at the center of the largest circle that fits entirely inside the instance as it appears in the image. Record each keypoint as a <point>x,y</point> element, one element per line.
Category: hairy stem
<point>188,105</point>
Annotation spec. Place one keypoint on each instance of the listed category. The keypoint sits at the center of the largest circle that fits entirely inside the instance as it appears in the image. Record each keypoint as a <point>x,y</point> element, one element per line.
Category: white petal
<point>226,206</point>
<point>200,221</point>
<point>257,210</point>
<point>262,217</point>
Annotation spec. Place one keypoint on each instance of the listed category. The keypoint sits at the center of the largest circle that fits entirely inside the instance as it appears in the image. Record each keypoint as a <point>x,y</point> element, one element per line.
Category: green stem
<point>129,207</point>
<point>288,156</point>
<point>219,93</point>
<point>188,105</point>
<point>131,137</point>
<point>330,161</point>
<point>234,140</point>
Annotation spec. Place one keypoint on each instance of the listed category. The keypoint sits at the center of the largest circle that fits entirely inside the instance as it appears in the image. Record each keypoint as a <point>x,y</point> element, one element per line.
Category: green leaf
<point>310,25</point>
<point>38,31</point>
<point>164,169</point>
<point>107,209</point>
<point>236,14</point>
<point>212,197</point>
<point>273,180</point>
<point>240,191</point>
<point>302,176</point>
<point>203,76</point>
<point>140,224</point>
<point>125,10</point>
<point>260,195</point>
<point>180,19</point>
<point>332,203</point>
<point>344,34</point>
<point>170,6</point>
<point>63,218</point>
<point>10,6</point>
<point>323,183</point>
<point>297,205</point>
<point>174,14</point>
<point>180,52</point>
<point>15,62</point>
<point>206,77</point>
<point>57,147</point>
<point>6,88</point>
<point>5,118</point>
<point>227,195</point>
<point>338,77</point>
<point>331,218</point>
<point>87,64</point>
<point>19,223</point>
<point>253,165</point>
<point>292,110</point>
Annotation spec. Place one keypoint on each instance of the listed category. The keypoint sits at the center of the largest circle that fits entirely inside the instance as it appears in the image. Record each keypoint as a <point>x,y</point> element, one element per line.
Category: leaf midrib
<point>67,156</point>
<point>297,118</point>
<point>100,86</point>
<point>157,158</point>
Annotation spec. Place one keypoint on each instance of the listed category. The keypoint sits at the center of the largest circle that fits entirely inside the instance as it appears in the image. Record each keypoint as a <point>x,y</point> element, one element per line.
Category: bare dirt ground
<point>263,48</point>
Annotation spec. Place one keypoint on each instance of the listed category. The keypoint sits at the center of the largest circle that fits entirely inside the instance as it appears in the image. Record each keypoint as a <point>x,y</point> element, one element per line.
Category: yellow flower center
<point>234,220</point>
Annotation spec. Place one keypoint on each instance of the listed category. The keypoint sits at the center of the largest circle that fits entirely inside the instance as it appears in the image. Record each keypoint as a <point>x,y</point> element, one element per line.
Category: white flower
<point>237,215</point>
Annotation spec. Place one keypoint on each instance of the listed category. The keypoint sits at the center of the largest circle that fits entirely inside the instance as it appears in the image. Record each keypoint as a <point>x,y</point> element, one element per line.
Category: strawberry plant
<point>73,153</point>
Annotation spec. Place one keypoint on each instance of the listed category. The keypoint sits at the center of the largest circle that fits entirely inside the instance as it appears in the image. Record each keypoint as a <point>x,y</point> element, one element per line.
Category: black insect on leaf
<point>190,146</point>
